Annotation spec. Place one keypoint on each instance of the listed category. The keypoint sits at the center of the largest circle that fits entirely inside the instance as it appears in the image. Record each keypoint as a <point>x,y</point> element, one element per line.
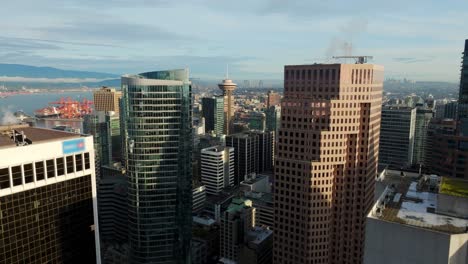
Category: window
<point>39,170</point>
<point>16,174</point>
<point>60,167</point>
<point>50,168</point>
<point>4,178</point>
<point>28,173</point>
<point>70,167</point>
<point>79,162</point>
<point>86,158</point>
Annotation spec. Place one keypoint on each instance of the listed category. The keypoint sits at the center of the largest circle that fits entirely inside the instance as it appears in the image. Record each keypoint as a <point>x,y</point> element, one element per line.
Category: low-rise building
<point>419,221</point>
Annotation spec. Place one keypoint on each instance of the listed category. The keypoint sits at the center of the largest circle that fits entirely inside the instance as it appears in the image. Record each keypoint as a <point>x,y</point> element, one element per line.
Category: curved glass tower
<point>158,147</point>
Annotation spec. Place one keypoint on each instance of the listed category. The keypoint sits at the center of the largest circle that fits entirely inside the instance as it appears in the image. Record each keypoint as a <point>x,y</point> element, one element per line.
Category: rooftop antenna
<point>358,59</point>
<point>227,71</point>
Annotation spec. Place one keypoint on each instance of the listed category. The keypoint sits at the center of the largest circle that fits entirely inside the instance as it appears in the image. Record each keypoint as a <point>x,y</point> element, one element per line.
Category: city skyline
<point>93,36</point>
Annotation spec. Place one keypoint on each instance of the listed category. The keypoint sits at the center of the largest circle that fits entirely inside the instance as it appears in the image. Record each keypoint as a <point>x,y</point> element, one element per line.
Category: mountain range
<point>20,70</point>
<point>17,75</point>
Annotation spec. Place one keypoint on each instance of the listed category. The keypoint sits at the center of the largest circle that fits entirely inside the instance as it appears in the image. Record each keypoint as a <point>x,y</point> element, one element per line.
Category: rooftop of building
<point>215,149</point>
<point>397,107</point>
<point>105,89</point>
<point>225,195</point>
<point>348,62</point>
<point>203,220</point>
<point>258,234</point>
<point>414,202</point>
<point>254,177</point>
<point>36,135</point>
<point>265,199</point>
<point>249,133</point>
<point>238,204</point>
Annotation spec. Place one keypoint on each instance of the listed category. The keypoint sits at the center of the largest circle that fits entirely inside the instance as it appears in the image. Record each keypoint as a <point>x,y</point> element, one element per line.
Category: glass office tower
<point>157,131</point>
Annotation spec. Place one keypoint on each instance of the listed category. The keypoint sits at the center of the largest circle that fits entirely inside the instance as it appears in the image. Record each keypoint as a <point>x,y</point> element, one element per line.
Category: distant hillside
<point>19,70</point>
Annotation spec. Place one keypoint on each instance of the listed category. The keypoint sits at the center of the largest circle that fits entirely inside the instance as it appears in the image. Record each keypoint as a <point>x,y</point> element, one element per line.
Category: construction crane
<point>357,59</point>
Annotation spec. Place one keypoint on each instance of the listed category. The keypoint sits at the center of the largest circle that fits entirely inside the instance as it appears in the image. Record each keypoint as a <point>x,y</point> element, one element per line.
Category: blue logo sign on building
<point>73,146</point>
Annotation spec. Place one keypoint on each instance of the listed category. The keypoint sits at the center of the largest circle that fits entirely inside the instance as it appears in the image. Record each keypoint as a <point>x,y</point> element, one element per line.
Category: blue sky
<point>415,39</point>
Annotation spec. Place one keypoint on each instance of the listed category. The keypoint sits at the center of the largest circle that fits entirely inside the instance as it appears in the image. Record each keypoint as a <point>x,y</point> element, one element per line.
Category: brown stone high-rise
<point>326,162</point>
<point>107,99</point>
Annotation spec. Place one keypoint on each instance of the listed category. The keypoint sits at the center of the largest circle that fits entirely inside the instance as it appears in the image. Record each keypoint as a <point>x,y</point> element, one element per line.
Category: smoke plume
<point>7,117</point>
<point>342,44</point>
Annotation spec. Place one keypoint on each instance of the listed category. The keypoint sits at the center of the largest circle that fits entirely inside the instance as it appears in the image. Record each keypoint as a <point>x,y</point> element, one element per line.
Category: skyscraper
<point>253,152</point>
<point>213,112</point>
<point>245,154</point>
<point>463,93</point>
<point>273,99</point>
<point>48,209</point>
<point>157,128</point>
<point>397,136</point>
<point>228,87</point>
<point>107,99</point>
<point>236,221</point>
<point>326,162</point>
<point>423,118</point>
<point>273,118</point>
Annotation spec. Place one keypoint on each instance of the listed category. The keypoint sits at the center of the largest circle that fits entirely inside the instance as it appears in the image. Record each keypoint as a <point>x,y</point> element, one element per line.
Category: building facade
<point>257,247</point>
<point>253,153</point>
<point>273,118</point>
<point>423,118</point>
<point>157,129</point>
<point>273,99</point>
<point>199,198</point>
<point>107,100</point>
<point>447,149</point>
<point>463,92</point>
<point>236,221</point>
<point>112,205</point>
<point>48,208</point>
<point>397,136</point>
<point>256,120</point>
<point>213,112</point>
<point>326,162</point>
<point>447,109</point>
<point>217,168</point>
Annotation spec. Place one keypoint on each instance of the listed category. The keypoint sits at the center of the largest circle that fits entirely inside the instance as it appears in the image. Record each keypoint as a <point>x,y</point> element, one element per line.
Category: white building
<point>217,168</point>
<point>48,191</point>
<point>419,222</point>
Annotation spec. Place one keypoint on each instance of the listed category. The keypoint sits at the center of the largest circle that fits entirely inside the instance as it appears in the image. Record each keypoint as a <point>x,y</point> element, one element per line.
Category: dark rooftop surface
<point>33,133</point>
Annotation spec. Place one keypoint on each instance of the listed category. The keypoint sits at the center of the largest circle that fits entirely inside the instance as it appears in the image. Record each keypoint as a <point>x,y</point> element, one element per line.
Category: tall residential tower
<point>158,141</point>
<point>326,162</point>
